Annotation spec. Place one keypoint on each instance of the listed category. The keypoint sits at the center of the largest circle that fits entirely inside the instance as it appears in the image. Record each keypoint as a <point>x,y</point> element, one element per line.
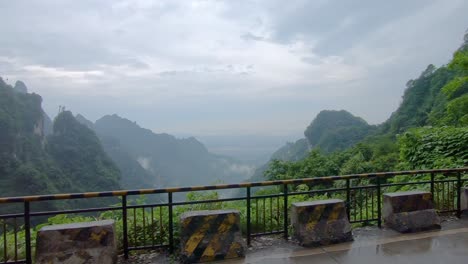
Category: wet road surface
<point>370,245</point>
<point>373,245</point>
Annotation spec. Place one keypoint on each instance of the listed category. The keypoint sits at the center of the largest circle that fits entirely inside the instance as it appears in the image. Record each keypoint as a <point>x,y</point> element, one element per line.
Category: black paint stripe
<point>198,252</point>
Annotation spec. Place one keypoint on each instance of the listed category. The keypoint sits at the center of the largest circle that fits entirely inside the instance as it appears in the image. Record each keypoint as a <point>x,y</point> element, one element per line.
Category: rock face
<point>92,242</point>
<point>408,212</point>
<point>210,235</point>
<point>320,222</point>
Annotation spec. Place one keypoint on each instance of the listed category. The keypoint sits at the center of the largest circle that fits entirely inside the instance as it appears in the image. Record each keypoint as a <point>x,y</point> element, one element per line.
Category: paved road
<point>372,245</point>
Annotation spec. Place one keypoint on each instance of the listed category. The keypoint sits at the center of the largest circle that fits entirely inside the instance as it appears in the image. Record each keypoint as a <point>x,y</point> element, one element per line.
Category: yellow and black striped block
<point>320,222</point>
<point>410,211</point>
<point>210,235</point>
<point>400,202</point>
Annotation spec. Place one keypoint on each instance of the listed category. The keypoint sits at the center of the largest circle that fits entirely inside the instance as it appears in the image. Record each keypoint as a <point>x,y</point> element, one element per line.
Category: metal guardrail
<point>264,214</point>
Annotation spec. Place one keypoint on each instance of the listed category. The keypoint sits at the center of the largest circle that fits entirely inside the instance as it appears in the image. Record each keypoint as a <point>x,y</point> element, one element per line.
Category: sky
<point>216,68</point>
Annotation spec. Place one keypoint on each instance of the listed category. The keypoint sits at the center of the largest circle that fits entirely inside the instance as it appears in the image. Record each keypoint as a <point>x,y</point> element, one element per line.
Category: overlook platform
<point>371,245</point>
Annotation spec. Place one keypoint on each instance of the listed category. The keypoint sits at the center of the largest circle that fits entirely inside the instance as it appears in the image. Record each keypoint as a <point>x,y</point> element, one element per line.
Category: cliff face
<point>34,163</point>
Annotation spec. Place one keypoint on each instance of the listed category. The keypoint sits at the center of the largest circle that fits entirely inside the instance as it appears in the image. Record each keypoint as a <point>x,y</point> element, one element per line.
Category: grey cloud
<point>229,62</point>
<point>249,36</point>
<point>336,25</point>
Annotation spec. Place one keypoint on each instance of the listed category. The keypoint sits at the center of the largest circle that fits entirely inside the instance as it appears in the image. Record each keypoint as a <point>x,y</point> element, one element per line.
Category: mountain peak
<point>334,130</point>
<point>20,87</point>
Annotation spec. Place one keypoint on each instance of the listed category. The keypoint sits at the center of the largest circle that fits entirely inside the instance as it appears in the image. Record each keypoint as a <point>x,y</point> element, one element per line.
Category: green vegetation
<point>78,152</point>
<point>428,130</point>
<point>25,166</point>
<point>70,159</point>
<point>336,130</point>
<point>438,147</point>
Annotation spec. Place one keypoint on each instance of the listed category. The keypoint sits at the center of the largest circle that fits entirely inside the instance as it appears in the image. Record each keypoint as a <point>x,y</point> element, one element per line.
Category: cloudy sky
<point>263,67</point>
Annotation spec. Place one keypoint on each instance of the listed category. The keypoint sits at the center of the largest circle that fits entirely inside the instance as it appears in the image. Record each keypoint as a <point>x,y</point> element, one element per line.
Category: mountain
<point>78,152</point>
<point>423,102</point>
<point>436,101</point>
<point>336,130</point>
<point>330,131</point>
<point>166,160</point>
<point>25,167</point>
<point>133,175</point>
<point>69,159</point>
<point>20,87</point>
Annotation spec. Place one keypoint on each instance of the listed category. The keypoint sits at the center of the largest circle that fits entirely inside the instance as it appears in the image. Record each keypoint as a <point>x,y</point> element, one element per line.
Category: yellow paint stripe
<point>336,211</point>
<point>91,194</point>
<point>34,198</point>
<point>215,242</point>
<point>199,234</point>
<point>232,253</point>
<point>119,193</point>
<point>315,217</point>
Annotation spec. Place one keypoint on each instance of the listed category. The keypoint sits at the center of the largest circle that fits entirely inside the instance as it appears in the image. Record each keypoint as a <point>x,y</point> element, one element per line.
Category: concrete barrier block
<point>464,200</point>
<point>411,211</point>
<point>319,223</point>
<point>210,235</point>
<point>91,242</point>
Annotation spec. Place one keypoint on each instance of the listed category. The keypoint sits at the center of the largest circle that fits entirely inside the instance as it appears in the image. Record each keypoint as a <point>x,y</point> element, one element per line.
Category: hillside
<point>438,97</point>
<point>70,159</point>
<point>78,151</point>
<point>336,130</point>
<point>25,166</point>
<point>330,131</point>
<point>165,160</point>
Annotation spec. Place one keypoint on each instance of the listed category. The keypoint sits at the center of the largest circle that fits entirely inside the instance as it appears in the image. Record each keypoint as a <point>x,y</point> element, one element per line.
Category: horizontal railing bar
<point>317,191</point>
<point>267,233</point>
<point>89,210</point>
<point>210,201</point>
<point>148,247</point>
<point>267,196</point>
<point>217,187</point>
<point>146,206</point>
<point>74,211</point>
<point>404,183</point>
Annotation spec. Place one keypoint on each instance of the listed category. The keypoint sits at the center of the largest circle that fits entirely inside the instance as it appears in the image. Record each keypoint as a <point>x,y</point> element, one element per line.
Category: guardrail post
<point>27,230</point>
<point>348,198</point>
<point>248,216</point>
<point>459,187</point>
<point>171,227</point>
<point>285,211</point>
<point>379,203</point>
<point>432,184</point>
<point>125,226</point>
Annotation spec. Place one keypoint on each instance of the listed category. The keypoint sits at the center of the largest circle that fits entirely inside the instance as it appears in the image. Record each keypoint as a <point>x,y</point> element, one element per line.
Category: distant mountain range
<point>73,154</point>
<point>164,159</point>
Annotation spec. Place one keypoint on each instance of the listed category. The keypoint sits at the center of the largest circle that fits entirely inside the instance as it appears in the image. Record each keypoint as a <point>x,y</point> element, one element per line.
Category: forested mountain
<point>25,167</point>
<point>78,151</point>
<point>166,160</point>
<point>336,130</point>
<point>70,159</point>
<point>428,130</point>
<point>133,175</point>
<point>330,131</point>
